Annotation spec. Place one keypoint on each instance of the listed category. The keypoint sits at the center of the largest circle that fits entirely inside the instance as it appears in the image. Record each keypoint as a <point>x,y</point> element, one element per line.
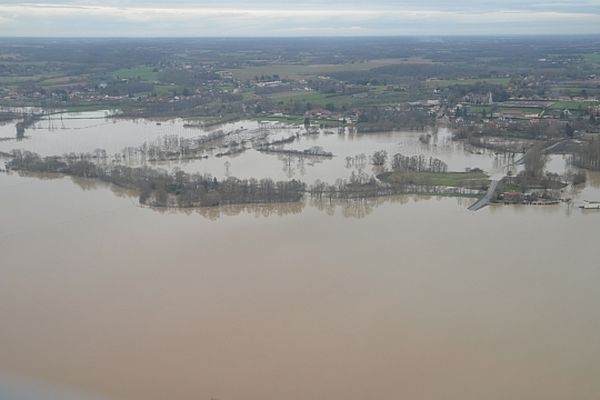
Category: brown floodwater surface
<point>404,297</point>
<point>409,298</point>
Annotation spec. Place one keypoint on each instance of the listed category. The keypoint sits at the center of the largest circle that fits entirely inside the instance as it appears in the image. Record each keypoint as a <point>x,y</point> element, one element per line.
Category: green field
<point>300,71</point>
<point>143,72</point>
<point>162,90</point>
<point>593,58</point>
<point>451,82</point>
<point>10,80</point>
<point>487,109</point>
<point>375,96</point>
<point>317,99</point>
<point>479,109</point>
<point>526,110</point>
<point>385,98</point>
<point>573,104</point>
<point>289,71</point>
<point>453,179</point>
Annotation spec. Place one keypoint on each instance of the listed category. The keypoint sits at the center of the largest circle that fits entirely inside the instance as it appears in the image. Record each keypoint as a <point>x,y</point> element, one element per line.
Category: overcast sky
<point>152,18</point>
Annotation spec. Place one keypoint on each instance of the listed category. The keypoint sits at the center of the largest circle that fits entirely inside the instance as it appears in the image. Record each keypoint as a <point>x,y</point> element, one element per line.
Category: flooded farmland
<point>402,297</point>
<point>86,132</point>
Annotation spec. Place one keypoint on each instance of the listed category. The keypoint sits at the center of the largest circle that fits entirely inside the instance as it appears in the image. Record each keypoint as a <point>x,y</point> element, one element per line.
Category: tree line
<point>161,188</point>
<point>588,156</point>
<point>418,163</point>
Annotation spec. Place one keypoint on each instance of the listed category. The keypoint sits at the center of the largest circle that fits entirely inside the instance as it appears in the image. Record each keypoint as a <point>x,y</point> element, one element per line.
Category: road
<point>485,200</point>
<point>545,150</point>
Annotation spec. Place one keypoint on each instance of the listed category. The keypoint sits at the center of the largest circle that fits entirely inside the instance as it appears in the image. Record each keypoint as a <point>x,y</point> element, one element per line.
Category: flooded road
<point>407,297</point>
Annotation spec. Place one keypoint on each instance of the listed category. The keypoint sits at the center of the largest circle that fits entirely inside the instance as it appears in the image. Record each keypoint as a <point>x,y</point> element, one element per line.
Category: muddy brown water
<point>407,297</point>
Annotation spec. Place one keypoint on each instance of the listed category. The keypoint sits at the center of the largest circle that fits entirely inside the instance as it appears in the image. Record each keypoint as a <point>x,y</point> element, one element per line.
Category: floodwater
<point>407,297</point>
<point>86,132</point>
<point>309,169</point>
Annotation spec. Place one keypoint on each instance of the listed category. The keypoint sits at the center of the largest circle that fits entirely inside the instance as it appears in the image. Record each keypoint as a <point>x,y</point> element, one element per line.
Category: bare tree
<point>535,162</point>
<point>379,158</point>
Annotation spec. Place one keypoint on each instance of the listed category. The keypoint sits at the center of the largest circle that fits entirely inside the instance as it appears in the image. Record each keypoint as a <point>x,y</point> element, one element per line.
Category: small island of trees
<point>160,188</point>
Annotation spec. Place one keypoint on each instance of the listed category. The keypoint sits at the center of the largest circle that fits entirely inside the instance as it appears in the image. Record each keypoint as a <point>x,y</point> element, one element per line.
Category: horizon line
<point>450,35</point>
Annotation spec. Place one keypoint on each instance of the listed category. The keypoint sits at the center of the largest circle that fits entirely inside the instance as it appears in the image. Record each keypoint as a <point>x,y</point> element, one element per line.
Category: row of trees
<point>400,162</point>
<point>358,188</point>
<point>535,160</point>
<point>418,163</point>
<point>588,156</point>
<point>164,189</point>
<point>534,176</point>
<point>315,151</point>
<point>175,147</point>
<point>359,161</point>
<point>161,188</point>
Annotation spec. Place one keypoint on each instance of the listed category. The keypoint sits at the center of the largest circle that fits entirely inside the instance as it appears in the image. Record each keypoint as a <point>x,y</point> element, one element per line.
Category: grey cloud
<point>304,17</point>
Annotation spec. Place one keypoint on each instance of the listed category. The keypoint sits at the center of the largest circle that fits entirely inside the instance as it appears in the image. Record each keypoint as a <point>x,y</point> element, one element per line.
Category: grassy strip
<point>298,71</point>
<point>163,89</point>
<point>593,58</point>
<point>452,82</point>
<point>573,104</point>
<point>450,179</point>
<point>318,99</point>
<point>142,72</point>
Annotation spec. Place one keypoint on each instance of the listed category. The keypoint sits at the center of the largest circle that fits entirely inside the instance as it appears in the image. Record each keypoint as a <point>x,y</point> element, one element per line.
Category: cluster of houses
<point>545,197</point>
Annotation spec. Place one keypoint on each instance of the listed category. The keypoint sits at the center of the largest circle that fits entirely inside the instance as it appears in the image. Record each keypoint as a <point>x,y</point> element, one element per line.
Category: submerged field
<point>86,132</point>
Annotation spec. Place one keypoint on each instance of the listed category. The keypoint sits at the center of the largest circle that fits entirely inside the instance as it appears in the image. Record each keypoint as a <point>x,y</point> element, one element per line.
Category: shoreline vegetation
<point>408,174</point>
<point>159,188</point>
<point>474,180</point>
<point>588,157</point>
<point>314,151</point>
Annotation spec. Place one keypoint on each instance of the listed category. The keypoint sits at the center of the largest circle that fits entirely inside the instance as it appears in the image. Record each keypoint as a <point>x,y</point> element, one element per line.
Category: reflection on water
<point>351,208</point>
<point>256,210</point>
<point>345,145</point>
<point>593,179</point>
<point>86,132</point>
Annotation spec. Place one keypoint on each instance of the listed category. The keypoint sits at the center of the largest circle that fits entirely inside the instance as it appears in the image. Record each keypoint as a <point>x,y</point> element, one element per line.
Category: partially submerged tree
<point>535,161</point>
<point>379,158</point>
